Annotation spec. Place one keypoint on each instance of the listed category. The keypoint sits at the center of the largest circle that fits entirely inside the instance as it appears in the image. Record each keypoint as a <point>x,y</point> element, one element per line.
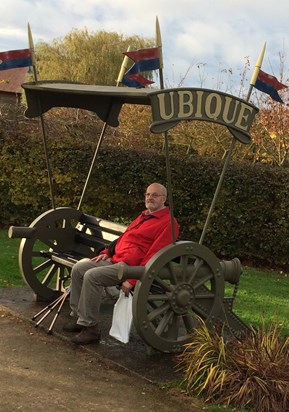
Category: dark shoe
<point>73,327</point>
<point>87,335</point>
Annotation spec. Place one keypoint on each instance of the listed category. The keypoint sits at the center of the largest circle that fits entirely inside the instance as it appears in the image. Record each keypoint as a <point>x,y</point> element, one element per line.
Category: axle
<point>21,231</point>
<point>231,270</point>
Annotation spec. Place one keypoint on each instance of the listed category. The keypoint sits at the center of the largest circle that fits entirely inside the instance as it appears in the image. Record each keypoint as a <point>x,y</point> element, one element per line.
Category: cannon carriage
<point>184,280</point>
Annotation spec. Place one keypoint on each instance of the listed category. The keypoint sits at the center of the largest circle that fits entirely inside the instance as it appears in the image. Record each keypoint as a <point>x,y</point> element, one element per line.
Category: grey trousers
<point>88,279</point>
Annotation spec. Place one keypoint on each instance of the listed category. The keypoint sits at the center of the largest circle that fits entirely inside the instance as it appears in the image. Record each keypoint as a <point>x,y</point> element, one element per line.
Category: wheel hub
<point>182,298</point>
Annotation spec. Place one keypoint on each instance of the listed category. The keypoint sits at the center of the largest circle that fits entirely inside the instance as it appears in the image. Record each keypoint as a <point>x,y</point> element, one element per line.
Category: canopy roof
<point>105,101</point>
<point>169,106</point>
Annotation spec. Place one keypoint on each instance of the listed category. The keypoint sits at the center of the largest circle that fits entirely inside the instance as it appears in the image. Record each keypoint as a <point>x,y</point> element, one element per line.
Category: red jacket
<point>145,236</point>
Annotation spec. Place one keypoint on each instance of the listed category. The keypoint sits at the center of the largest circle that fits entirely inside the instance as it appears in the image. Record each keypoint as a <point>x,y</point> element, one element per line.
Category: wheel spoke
<point>153,306</point>
<point>157,297</point>
<point>42,266</point>
<point>203,280</point>
<point>189,322</point>
<point>173,327</point>
<point>164,322</point>
<point>158,311</point>
<point>199,311</point>
<point>207,295</point>
<point>172,269</point>
<point>197,264</point>
<point>49,276</point>
<point>61,277</point>
<point>184,267</point>
<point>163,284</point>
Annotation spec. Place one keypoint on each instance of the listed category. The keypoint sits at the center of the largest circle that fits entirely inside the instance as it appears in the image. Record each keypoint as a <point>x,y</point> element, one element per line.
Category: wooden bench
<point>91,235</point>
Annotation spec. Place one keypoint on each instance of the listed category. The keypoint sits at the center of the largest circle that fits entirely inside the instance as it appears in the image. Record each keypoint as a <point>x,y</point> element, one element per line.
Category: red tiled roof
<point>11,80</point>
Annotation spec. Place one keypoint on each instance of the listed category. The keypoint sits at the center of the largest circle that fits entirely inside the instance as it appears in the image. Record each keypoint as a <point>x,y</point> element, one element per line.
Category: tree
<point>271,135</point>
<point>96,58</point>
<point>93,58</point>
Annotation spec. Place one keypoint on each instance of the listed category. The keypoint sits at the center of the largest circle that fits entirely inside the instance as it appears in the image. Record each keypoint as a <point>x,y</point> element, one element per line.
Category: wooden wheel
<point>179,282</point>
<point>54,232</point>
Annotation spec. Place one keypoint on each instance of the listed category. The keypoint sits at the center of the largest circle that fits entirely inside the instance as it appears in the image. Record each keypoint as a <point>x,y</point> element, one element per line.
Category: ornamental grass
<point>249,373</point>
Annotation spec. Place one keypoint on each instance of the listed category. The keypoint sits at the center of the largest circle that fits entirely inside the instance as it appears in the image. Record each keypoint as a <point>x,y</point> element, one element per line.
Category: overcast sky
<point>201,38</point>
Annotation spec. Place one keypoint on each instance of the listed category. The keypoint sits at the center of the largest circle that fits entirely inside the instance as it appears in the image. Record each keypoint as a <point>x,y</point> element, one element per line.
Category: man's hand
<point>102,256</point>
<point>126,287</point>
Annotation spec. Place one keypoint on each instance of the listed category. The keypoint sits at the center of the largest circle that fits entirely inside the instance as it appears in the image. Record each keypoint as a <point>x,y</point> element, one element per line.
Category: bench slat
<point>102,225</point>
<point>91,240</point>
<point>92,235</point>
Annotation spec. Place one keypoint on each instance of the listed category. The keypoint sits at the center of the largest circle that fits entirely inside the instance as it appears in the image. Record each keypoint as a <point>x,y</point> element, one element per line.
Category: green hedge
<point>249,219</point>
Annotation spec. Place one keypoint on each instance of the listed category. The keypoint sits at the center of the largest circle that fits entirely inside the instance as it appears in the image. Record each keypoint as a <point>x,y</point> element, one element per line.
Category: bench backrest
<point>96,233</point>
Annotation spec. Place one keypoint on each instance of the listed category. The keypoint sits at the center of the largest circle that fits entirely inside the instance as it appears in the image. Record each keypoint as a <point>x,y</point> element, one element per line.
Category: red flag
<point>135,80</point>
<point>15,58</point>
<point>145,60</point>
<point>270,80</point>
<point>270,85</point>
<point>143,54</point>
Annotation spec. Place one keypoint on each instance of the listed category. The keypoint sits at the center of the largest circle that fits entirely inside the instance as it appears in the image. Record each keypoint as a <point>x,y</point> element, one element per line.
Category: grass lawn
<point>9,270</point>
<point>263,295</point>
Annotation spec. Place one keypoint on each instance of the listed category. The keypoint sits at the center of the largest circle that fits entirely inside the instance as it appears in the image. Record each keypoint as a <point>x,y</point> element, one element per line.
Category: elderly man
<point>145,236</point>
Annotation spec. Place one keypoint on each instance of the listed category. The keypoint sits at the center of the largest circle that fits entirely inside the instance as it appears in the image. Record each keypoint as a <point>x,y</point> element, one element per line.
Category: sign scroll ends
<point>170,106</point>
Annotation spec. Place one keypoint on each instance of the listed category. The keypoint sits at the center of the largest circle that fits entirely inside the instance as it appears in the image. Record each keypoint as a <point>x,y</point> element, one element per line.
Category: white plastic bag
<point>122,318</point>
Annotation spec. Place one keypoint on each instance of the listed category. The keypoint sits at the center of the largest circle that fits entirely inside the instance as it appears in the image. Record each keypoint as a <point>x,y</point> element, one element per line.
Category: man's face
<point>154,198</point>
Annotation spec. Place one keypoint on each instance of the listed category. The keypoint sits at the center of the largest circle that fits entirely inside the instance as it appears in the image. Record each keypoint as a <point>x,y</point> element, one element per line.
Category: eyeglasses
<point>154,195</point>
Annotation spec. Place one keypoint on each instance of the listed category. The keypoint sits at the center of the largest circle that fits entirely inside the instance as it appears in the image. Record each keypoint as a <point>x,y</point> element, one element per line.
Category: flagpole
<point>31,47</point>
<point>160,47</point>
<point>123,68</point>
<point>44,137</point>
<point>256,71</point>
<point>166,137</point>
<point>119,79</point>
<point>233,142</point>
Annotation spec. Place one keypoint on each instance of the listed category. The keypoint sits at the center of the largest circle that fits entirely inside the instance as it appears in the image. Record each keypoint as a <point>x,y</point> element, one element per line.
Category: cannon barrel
<point>19,232</point>
<point>130,272</point>
<point>231,270</point>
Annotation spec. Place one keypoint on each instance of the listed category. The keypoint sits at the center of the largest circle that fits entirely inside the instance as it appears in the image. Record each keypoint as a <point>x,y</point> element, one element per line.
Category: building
<point>10,85</point>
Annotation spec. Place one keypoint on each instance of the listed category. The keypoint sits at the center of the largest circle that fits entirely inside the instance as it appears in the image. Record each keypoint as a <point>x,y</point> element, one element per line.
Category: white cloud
<point>218,34</point>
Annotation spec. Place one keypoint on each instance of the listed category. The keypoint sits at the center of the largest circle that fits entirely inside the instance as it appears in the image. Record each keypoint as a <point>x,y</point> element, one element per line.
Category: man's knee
<point>91,274</point>
<point>102,276</point>
<point>79,268</point>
